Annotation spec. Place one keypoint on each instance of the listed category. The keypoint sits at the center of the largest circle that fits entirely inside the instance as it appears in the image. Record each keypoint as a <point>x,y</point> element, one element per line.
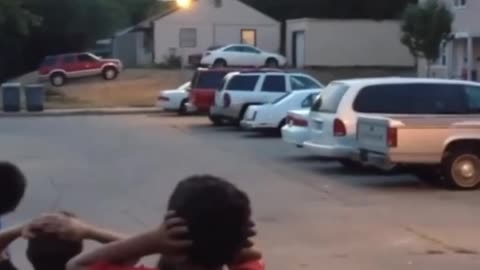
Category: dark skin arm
<point>163,240</point>
<point>7,237</point>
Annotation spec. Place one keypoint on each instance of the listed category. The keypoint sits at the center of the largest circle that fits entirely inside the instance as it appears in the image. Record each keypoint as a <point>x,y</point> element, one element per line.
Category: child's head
<point>218,218</point>
<point>12,187</point>
<point>46,251</point>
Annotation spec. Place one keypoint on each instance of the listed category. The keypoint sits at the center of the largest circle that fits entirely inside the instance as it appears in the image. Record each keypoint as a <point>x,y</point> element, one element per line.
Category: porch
<point>459,58</point>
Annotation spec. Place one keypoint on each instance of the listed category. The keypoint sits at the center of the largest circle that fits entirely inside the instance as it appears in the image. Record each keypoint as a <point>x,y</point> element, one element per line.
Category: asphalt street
<point>118,171</point>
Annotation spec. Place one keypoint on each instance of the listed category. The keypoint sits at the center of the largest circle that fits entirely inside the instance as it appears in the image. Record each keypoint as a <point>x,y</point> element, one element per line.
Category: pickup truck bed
<point>416,140</point>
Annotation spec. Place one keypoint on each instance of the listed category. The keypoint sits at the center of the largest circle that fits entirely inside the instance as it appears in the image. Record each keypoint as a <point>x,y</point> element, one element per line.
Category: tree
<point>425,27</point>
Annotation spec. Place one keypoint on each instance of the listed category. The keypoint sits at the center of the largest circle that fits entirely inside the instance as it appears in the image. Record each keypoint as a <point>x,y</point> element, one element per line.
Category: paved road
<point>118,171</point>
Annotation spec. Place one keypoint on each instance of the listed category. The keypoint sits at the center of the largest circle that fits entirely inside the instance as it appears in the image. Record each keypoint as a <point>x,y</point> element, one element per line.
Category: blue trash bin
<point>35,97</point>
<point>11,96</point>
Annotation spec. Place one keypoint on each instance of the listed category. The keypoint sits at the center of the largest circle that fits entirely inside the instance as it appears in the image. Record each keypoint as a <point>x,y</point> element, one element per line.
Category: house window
<point>188,38</point>
<point>249,36</point>
<point>217,3</point>
<point>459,3</point>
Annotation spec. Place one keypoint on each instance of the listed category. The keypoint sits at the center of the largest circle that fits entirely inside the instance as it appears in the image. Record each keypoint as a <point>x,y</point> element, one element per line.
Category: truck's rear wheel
<point>216,120</point>
<point>461,168</point>
<point>58,79</point>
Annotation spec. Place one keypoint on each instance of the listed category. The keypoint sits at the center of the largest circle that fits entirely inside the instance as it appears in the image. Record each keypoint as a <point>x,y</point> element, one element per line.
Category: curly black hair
<point>48,252</point>
<point>218,217</point>
<point>12,187</point>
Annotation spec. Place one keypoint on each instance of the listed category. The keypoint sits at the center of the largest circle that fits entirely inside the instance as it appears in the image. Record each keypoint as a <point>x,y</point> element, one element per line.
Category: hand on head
<point>62,224</point>
<point>173,235</point>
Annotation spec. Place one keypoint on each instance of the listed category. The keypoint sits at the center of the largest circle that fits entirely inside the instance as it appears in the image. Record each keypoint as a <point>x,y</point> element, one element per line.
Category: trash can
<point>35,97</point>
<point>11,97</point>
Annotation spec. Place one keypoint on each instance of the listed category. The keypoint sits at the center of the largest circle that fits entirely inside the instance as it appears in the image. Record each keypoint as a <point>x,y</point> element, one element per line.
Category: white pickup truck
<point>437,148</point>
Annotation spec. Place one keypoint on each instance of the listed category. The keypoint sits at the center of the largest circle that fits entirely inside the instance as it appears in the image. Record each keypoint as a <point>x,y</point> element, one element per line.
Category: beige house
<point>346,43</point>
<point>186,32</point>
<point>190,31</point>
<point>463,52</point>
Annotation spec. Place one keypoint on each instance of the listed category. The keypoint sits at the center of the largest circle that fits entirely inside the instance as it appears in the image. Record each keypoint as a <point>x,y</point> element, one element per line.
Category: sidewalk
<point>81,112</point>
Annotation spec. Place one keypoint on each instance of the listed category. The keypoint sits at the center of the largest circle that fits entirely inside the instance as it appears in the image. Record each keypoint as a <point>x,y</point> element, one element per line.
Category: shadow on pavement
<point>262,135</point>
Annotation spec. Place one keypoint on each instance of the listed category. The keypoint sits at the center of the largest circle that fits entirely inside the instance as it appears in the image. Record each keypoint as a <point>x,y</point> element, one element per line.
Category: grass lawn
<point>133,88</point>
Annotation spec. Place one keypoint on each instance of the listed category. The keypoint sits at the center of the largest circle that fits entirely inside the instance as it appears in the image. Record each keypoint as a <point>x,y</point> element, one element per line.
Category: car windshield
<point>208,79</point>
<point>94,56</point>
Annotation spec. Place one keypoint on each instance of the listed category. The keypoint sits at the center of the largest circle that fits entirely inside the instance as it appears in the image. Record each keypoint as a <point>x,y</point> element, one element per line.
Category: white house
<point>463,52</point>
<point>346,43</point>
<point>190,31</point>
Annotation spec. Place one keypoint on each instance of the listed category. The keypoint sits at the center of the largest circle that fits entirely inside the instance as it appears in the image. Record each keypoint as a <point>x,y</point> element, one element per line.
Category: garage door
<point>298,49</point>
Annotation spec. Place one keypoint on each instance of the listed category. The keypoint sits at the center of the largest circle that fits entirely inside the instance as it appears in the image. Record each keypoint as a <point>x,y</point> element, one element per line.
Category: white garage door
<point>299,49</point>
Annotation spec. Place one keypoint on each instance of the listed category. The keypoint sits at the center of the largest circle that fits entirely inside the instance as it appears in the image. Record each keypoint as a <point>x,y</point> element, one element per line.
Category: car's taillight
<point>339,129</point>
<point>227,100</point>
<point>208,53</point>
<point>392,137</point>
<point>163,98</point>
<point>291,120</point>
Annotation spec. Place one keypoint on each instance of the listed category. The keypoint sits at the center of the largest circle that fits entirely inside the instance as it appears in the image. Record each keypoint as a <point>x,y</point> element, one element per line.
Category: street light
<point>184,3</point>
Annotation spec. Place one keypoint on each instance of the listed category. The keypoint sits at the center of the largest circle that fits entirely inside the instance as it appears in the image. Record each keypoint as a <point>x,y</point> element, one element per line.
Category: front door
<point>298,49</point>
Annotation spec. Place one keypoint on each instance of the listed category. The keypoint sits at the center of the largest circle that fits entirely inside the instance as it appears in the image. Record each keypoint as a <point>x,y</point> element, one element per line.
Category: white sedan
<point>274,115</point>
<point>296,131</point>
<point>174,100</point>
<point>241,55</point>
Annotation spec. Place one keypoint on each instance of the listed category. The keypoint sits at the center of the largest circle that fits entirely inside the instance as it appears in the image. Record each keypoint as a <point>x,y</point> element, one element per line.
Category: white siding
<point>215,26</point>
<point>351,43</point>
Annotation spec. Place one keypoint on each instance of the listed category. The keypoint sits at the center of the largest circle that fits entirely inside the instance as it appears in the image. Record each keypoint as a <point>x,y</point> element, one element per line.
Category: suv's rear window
<point>208,79</point>
<point>416,98</point>
<point>242,83</point>
<point>330,98</point>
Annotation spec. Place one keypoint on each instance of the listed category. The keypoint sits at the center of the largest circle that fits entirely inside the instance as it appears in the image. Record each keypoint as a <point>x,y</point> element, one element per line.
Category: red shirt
<point>253,265</point>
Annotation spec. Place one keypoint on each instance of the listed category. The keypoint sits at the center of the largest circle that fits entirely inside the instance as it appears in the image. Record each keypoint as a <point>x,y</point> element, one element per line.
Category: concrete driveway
<point>118,171</point>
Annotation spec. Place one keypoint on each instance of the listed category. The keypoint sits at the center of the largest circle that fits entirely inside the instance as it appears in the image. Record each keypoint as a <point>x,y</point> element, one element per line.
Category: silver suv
<point>243,89</point>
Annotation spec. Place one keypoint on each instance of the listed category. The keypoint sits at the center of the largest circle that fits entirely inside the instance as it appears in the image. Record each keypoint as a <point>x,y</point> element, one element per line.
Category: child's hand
<point>68,228</point>
<point>249,253</point>
<point>172,237</point>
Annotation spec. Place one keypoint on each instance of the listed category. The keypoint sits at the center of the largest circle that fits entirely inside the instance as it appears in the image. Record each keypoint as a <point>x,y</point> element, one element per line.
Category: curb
<point>81,112</point>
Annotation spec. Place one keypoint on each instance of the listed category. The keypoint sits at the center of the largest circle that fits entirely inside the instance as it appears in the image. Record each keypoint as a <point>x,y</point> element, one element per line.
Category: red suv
<point>59,68</point>
<point>204,84</point>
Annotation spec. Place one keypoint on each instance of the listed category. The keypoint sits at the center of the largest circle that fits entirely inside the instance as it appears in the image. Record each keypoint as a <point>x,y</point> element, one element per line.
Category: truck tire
<point>58,79</point>
<point>183,107</point>
<point>241,114</point>
<point>216,120</point>
<point>109,73</point>
<point>461,168</point>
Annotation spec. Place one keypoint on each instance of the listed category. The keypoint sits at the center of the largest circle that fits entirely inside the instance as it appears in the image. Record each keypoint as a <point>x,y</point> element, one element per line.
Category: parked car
<point>204,84</point>
<point>274,115</point>
<point>174,100</point>
<point>429,126</point>
<point>242,55</point>
<point>59,68</point>
<point>333,119</point>
<point>246,88</point>
<point>296,131</point>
